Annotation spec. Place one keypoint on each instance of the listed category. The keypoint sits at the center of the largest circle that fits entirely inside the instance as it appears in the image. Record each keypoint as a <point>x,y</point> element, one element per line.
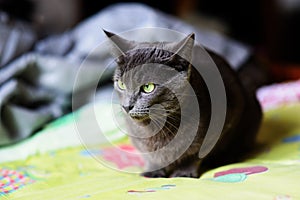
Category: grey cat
<point>157,87</point>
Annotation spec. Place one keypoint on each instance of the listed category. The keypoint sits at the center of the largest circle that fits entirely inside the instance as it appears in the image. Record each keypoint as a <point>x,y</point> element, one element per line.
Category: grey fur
<point>154,119</point>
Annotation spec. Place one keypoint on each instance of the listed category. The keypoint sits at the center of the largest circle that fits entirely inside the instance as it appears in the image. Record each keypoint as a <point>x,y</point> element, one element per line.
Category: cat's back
<point>243,112</point>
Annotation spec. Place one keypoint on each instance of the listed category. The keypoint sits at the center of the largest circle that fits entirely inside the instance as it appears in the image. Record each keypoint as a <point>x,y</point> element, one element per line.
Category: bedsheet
<point>272,172</point>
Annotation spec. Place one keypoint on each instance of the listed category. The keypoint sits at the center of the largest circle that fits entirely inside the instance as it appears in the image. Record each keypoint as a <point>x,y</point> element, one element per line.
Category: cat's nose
<point>127,108</point>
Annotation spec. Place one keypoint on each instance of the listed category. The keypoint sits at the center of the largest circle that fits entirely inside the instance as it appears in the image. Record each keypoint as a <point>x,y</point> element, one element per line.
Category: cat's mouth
<point>140,117</point>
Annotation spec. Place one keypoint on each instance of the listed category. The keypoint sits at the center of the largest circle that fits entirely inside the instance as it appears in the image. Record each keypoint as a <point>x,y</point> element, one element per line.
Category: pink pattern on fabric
<point>279,94</point>
<point>124,156</point>
<point>149,190</point>
<point>245,170</point>
<point>11,180</point>
<point>283,197</point>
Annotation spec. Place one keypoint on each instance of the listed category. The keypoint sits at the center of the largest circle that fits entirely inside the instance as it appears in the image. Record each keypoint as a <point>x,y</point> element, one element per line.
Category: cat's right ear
<point>119,45</point>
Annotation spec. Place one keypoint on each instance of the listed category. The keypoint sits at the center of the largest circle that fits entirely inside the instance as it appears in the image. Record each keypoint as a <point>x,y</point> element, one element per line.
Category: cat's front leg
<point>191,170</point>
<point>153,171</point>
<point>160,173</point>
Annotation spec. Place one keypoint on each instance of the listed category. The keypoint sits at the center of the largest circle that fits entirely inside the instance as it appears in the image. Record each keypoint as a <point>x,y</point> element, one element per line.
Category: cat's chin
<point>141,120</point>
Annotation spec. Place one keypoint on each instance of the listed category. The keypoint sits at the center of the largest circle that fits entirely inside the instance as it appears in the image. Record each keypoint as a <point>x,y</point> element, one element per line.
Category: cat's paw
<point>185,173</point>
<point>155,174</point>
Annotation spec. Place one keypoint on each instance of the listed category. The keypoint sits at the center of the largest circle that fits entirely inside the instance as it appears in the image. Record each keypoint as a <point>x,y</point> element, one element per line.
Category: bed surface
<point>63,168</point>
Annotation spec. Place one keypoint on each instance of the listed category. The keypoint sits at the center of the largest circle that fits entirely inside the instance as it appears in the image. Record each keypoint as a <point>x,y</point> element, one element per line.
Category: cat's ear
<point>120,45</point>
<point>184,48</point>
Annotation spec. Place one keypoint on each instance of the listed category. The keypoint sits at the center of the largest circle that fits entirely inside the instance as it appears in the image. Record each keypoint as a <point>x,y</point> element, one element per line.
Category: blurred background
<point>43,44</point>
<point>271,27</point>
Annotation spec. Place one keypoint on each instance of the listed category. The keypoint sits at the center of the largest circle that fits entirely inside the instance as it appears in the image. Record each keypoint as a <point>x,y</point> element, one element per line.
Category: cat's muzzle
<point>139,116</point>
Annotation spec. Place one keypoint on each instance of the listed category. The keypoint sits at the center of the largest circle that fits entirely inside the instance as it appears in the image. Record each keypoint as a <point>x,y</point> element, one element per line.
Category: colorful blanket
<point>100,171</point>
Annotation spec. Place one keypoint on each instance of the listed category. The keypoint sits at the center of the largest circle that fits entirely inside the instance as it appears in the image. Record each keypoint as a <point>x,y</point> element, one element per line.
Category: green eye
<point>149,87</point>
<point>121,85</point>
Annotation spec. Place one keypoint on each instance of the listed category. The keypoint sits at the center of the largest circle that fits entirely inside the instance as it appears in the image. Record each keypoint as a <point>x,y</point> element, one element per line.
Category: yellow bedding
<point>273,173</point>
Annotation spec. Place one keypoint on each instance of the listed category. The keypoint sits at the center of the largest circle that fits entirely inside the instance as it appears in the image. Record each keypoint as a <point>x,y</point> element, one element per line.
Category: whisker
<point>160,128</point>
<point>167,115</point>
<point>140,112</point>
<point>177,120</point>
<point>167,122</point>
<point>172,133</point>
<point>159,125</point>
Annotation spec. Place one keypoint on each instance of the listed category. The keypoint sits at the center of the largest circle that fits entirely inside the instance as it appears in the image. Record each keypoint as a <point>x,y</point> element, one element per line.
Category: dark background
<point>271,27</point>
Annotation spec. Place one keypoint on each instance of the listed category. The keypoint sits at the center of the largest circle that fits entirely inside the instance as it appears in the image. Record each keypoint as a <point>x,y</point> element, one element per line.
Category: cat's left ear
<point>120,45</point>
<point>184,48</point>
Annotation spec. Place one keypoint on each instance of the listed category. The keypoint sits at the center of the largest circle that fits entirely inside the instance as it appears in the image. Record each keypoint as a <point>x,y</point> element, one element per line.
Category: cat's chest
<point>147,138</point>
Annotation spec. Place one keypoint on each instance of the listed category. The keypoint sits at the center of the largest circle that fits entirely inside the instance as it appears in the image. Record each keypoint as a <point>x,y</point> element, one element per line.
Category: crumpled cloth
<point>37,84</point>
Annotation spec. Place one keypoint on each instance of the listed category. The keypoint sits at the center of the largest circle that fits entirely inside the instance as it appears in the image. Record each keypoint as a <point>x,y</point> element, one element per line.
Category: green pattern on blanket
<point>273,173</point>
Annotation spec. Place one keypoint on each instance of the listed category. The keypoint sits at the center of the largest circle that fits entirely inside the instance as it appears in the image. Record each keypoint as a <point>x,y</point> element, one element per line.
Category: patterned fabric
<point>11,180</point>
<point>279,94</point>
<point>102,172</point>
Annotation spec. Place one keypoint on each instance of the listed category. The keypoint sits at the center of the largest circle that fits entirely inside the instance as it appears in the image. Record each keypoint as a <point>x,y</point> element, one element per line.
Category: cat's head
<point>149,76</point>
